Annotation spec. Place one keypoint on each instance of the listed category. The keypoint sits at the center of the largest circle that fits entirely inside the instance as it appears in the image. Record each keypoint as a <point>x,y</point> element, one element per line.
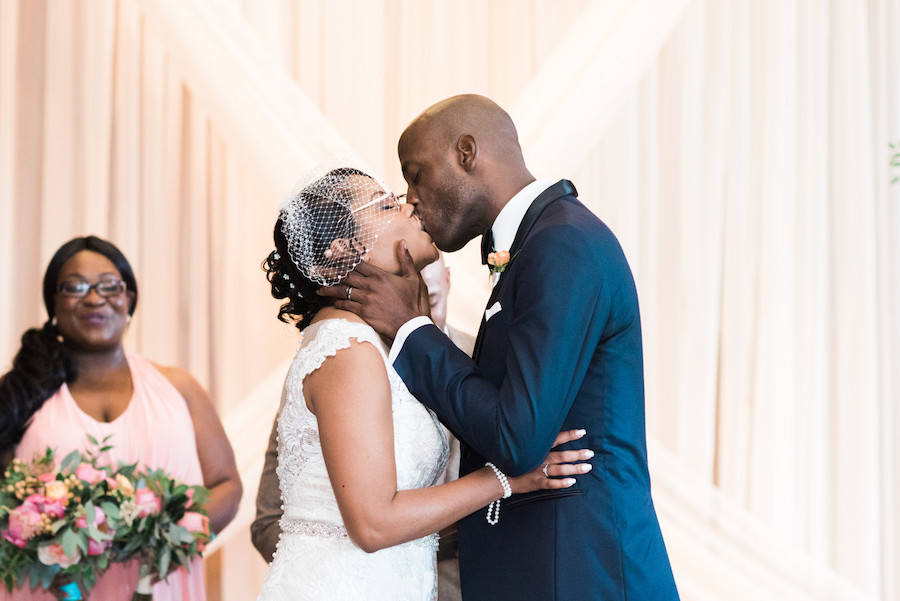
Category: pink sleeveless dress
<point>156,431</point>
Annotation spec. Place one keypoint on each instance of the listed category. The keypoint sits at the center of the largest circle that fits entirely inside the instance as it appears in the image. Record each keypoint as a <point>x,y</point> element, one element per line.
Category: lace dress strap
<point>333,335</point>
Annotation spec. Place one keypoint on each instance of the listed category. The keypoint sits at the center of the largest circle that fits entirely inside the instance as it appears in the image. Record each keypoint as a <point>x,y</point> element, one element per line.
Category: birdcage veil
<point>334,217</point>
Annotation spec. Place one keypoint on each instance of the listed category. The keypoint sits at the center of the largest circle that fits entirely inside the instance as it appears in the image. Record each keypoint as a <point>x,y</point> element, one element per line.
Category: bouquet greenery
<point>58,521</point>
<point>61,526</point>
<point>163,525</point>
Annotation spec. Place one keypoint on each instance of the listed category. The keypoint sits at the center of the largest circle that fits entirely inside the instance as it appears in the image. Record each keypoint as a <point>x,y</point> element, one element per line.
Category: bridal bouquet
<point>161,524</point>
<point>58,521</point>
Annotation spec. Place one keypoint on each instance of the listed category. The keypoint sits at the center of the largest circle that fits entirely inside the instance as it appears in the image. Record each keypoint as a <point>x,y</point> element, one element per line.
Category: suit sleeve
<point>562,296</point>
<point>266,528</point>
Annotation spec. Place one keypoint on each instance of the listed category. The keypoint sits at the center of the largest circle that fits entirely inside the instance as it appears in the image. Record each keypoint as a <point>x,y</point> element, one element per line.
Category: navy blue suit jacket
<point>564,351</point>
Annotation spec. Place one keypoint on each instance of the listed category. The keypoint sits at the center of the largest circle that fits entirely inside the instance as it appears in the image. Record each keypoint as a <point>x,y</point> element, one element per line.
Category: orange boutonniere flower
<point>498,261</point>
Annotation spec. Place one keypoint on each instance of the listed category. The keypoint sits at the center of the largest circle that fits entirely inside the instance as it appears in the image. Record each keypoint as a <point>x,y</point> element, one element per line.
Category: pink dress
<point>155,430</point>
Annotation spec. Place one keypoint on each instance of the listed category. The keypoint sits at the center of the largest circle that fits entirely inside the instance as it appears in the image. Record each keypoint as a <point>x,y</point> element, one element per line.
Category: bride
<point>358,455</point>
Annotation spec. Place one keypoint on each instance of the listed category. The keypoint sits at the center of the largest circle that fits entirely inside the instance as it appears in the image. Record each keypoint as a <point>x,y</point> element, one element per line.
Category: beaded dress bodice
<point>315,557</point>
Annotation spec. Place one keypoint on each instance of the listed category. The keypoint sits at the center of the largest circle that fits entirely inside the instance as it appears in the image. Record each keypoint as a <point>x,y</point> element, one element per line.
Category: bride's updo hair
<point>288,283</point>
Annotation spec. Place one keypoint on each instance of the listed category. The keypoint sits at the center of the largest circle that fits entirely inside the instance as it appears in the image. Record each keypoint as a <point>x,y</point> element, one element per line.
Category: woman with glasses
<point>72,378</point>
<point>358,455</point>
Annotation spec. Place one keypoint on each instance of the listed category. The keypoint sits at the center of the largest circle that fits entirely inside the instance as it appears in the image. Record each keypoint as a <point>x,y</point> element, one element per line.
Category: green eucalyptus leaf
<point>69,542</point>
<point>110,509</point>
<point>70,462</point>
<point>182,558</point>
<point>165,558</point>
<point>82,541</point>
<point>182,535</point>
<point>55,526</point>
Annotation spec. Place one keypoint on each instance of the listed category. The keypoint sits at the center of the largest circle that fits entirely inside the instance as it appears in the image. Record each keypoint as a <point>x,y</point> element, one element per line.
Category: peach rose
<point>499,258</point>
<point>124,485</point>
<point>56,490</point>
<point>51,553</point>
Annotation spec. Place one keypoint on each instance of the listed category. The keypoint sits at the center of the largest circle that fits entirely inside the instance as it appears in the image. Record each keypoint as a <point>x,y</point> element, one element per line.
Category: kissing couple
<point>553,500</point>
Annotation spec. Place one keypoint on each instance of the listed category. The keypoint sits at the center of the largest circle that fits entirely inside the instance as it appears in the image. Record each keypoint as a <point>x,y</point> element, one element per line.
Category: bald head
<point>472,114</point>
<point>462,160</point>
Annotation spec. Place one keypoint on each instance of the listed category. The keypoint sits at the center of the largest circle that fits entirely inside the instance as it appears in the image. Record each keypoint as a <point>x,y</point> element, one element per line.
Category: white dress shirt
<point>504,230</point>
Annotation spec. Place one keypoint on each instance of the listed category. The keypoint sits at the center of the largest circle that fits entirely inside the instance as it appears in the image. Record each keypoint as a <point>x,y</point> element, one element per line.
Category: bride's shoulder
<point>344,354</point>
<point>331,334</point>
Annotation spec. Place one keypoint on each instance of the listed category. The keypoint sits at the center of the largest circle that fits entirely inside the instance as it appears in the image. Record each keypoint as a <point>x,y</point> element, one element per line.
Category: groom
<point>559,348</point>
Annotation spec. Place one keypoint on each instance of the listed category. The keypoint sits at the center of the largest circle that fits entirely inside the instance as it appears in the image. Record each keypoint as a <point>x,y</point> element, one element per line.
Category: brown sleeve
<point>265,529</point>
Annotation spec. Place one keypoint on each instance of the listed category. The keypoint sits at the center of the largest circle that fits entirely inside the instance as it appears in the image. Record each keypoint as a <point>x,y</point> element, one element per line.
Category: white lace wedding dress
<point>315,559</point>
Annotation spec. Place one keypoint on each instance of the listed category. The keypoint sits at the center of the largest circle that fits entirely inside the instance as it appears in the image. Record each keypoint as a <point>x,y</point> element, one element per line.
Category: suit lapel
<point>558,190</point>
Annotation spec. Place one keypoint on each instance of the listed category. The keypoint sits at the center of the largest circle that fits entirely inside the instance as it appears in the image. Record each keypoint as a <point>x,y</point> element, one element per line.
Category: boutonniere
<point>498,260</point>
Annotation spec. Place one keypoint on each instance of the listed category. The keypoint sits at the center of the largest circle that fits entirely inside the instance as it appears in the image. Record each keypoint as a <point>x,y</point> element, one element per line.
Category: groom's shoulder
<point>569,231</point>
<point>571,217</point>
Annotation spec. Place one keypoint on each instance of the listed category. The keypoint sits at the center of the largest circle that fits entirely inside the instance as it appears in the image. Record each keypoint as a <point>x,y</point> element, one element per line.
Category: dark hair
<point>334,221</point>
<point>43,362</point>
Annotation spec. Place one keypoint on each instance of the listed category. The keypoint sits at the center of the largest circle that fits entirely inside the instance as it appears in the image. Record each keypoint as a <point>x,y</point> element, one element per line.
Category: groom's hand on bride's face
<point>385,300</point>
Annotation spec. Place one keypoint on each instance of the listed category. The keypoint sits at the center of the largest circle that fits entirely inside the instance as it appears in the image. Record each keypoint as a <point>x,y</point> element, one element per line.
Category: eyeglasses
<point>80,288</point>
<point>395,201</point>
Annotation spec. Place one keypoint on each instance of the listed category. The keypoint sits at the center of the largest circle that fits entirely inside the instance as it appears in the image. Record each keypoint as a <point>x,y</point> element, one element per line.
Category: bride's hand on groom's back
<point>558,469</point>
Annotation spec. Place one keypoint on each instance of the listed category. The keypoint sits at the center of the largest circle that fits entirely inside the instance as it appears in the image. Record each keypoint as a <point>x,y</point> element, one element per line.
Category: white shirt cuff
<point>405,330</point>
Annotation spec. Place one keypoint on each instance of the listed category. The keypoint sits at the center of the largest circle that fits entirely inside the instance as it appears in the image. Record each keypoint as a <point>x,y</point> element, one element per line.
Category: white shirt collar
<point>507,222</point>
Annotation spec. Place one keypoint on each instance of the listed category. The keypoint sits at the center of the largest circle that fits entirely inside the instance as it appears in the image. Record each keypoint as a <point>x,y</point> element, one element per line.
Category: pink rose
<point>14,538</point>
<point>42,504</point>
<point>51,553</point>
<point>46,477</point>
<point>96,547</point>
<point>196,523</point>
<point>147,502</point>
<point>24,523</point>
<point>99,519</point>
<point>89,473</point>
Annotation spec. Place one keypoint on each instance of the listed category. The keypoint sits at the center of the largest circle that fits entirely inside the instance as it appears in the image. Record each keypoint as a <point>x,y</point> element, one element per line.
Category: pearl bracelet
<point>494,507</point>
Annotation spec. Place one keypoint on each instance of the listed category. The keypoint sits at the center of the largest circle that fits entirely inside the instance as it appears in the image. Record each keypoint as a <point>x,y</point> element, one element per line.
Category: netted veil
<point>334,217</point>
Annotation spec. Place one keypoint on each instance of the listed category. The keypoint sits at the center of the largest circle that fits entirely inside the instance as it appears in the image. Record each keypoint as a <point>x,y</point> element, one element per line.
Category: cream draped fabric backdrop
<point>739,148</point>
